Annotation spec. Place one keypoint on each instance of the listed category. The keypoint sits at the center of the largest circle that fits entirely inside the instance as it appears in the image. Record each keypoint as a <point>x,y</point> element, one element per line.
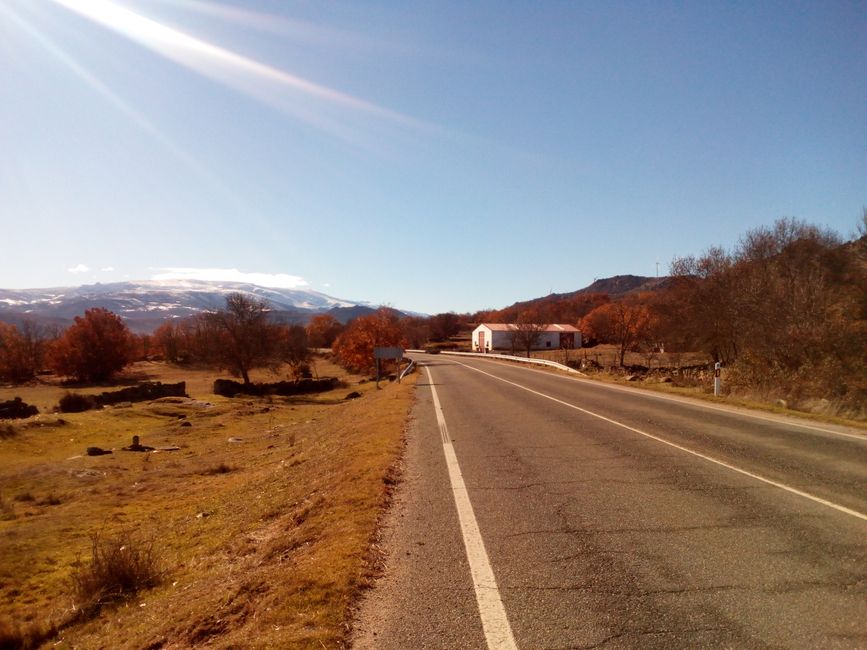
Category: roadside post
<point>379,354</point>
<point>716,378</point>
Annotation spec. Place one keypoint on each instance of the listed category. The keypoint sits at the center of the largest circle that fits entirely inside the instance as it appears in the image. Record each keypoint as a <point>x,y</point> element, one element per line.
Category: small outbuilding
<point>504,336</point>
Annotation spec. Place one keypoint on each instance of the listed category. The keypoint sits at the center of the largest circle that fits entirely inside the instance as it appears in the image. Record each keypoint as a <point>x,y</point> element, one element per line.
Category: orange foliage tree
<point>167,339</point>
<point>94,348</point>
<point>624,323</point>
<point>322,330</point>
<point>354,347</point>
<point>22,351</point>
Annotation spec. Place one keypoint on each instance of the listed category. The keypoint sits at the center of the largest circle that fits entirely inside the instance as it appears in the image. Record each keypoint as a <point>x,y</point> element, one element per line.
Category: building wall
<point>488,338</point>
<point>502,340</point>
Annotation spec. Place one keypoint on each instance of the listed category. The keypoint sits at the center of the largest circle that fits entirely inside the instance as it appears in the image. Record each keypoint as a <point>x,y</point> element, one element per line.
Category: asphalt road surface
<point>543,511</point>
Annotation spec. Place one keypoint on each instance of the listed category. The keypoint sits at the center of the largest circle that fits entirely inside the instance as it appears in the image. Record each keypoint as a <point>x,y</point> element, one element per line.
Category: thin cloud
<point>107,269</point>
<point>271,280</point>
<point>79,268</point>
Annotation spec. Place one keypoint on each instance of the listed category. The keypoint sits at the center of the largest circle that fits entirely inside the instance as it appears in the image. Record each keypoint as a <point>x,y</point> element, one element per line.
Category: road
<point>542,511</point>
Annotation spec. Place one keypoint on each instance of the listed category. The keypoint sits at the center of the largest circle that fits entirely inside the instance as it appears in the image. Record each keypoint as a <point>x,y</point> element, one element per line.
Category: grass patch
<point>119,567</point>
<point>222,468</point>
<point>50,499</point>
<point>14,636</point>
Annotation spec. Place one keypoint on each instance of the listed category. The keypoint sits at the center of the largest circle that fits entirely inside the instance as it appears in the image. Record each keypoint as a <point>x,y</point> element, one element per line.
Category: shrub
<point>15,637</point>
<point>119,568</point>
<point>16,408</point>
<point>222,468</point>
<point>76,403</point>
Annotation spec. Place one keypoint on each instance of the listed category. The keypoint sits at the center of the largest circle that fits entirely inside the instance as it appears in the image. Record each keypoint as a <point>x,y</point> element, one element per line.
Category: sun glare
<point>243,74</point>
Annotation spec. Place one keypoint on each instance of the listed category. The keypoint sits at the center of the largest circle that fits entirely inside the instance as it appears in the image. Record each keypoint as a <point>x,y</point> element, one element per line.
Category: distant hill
<point>550,305</point>
<point>145,305</point>
<point>620,285</point>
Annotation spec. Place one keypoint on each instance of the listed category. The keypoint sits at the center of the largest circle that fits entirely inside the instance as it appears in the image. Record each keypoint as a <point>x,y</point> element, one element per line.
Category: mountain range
<point>146,304</point>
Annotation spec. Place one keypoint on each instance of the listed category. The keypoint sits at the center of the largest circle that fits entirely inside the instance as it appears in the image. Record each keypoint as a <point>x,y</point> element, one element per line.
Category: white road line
<point>495,623</point>
<point>782,486</point>
<point>789,421</point>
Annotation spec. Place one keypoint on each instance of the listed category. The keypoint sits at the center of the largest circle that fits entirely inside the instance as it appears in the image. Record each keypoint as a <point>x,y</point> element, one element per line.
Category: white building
<point>501,336</point>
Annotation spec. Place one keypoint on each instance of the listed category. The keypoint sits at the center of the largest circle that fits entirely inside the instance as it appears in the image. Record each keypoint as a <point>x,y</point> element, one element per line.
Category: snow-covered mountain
<point>145,304</point>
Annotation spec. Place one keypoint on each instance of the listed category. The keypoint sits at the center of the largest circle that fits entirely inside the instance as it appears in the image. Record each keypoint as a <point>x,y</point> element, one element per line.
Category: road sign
<point>388,353</point>
<point>395,353</point>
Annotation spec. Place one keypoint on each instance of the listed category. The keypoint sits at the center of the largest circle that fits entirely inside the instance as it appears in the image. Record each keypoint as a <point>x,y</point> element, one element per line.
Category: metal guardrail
<point>409,368</point>
<point>508,357</point>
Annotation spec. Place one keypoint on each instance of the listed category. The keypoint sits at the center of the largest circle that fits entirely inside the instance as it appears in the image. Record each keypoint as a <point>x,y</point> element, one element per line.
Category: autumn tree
<point>354,347</point>
<point>22,351</point>
<point>93,348</point>
<point>167,339</point>
<point>292,348</point>
<point>416,330</point>
<point>623,323</point>
<point>786,308</point>
<point>444,326</point>
<point>322,330</point>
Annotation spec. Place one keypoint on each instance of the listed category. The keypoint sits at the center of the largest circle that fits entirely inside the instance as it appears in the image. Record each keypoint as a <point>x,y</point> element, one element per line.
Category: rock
<point>137,446</point>
<point>123,405</point>
<point>633,378</point>
<point>666,380</point>
<point>782,403</point>
<point>97,451</point>
<point>186,423</point>
<point>353,395</point>
<point>233,439</point>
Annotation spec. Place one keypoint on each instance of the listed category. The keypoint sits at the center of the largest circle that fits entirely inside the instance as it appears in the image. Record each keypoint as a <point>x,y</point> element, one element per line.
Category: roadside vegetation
<point>784,312</point>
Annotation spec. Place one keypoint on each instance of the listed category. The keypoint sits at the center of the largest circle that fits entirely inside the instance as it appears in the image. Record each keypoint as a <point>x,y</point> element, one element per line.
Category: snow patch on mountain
<point>148,301</point>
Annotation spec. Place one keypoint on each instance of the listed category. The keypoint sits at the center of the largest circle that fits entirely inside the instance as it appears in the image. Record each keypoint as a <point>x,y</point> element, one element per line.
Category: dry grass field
<point>608,356</point>
<point>260,522</point>
<point>697,384</point>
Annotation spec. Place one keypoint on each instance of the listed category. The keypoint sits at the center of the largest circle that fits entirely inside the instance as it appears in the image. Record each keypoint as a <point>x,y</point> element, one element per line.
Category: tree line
<point>785,310</point>
<point>238,338</point>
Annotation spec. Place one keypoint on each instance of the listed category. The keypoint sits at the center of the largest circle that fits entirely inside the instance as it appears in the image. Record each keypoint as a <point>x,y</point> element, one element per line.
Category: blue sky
<point>430,155</point>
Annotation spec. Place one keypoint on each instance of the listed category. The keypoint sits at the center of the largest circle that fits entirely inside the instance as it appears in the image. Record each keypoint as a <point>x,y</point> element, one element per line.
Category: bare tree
<point>247,338</point>
<point>526,333</point>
